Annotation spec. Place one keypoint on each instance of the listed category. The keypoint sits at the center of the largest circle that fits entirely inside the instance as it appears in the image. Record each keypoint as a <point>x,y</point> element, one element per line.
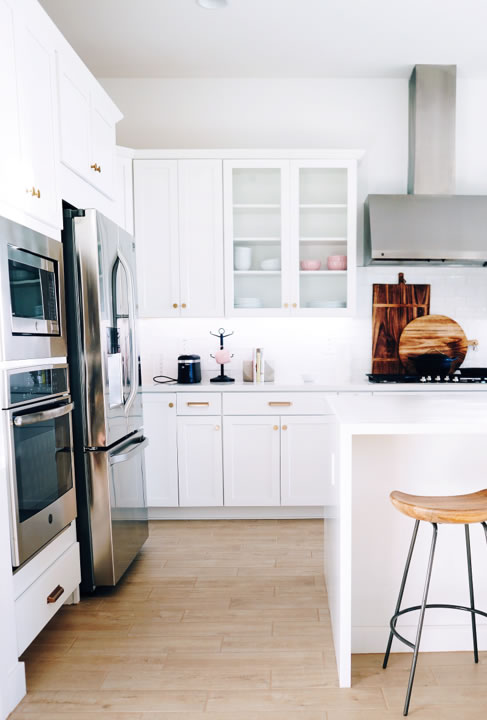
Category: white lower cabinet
<point>305,460</point>
<point>251,460</point>
<point>161,455</point>
<point>200,461</point>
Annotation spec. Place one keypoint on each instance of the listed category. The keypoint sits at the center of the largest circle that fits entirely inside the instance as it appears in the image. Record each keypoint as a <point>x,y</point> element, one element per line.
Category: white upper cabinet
<point>87,119</point>
<point>10,143</point>
<point>256,194</point>
<point>124,198</point>
<point>200,237</point>
<point>179,237</point>
<point>323,236</point>
<point>36,68</point>
<point>157,237</point>
<point>290,236</point>
<point>27,119</point>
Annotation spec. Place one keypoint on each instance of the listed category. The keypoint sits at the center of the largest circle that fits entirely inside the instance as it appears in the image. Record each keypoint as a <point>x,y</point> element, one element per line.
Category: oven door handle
<point>32,418</point>
<point>122,457</point>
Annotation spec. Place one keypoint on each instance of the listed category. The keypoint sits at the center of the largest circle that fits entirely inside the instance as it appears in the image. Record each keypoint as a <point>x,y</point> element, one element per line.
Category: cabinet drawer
<point>275,403</point>
<point>199,404</point>
<point>33,609</point>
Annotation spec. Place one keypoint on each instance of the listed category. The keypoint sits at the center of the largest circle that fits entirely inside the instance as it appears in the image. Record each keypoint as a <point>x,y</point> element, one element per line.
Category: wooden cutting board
<point>393,307</point>
<point>432,334</point>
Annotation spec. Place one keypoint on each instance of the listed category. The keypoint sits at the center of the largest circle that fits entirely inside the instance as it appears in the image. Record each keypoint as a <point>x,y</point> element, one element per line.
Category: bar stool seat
<point>454,509</point>
<point>461,509</point>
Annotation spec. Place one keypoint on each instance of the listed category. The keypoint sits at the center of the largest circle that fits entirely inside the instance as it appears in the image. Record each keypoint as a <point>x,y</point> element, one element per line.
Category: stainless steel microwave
<point>32,294</point>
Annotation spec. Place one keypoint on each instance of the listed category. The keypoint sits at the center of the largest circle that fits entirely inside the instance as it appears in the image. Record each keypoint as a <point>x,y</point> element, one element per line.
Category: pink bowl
<point>337,262</point>
<point>310,264</point>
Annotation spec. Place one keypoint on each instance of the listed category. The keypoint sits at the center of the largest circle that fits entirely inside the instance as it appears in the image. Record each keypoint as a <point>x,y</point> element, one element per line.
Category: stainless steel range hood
<point>431,223</point>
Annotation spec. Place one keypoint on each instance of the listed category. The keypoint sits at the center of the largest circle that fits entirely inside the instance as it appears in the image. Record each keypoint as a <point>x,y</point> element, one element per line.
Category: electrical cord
<point>164,382</point>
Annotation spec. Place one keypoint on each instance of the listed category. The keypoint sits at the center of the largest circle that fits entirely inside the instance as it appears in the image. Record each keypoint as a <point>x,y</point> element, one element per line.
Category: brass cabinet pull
<point>286,305</point>
<point>171,404</point>
<point>34,192</point>
<point>295,305</point>
<point>55,594</point>
<point>198,404</point>
<point>284,427</point>
<point>275,403</point>
<point>174,305</point>
<point>276,427</point>
<point>95,167</point>
<point>183,305</point>
<point>217,427</point>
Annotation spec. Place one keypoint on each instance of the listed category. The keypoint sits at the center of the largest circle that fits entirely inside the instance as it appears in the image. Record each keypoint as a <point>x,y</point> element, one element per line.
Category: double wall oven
<point>36,413</point>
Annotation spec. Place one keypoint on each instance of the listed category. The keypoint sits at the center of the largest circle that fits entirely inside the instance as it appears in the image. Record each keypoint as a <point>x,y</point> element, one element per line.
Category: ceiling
<point>273,38</point>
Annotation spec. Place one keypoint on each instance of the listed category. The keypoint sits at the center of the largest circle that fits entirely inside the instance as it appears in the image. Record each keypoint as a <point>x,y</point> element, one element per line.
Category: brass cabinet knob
<point>95,167</point>
<point>284,427</point>
<point>276,427</point>
<point>174,305</point>
<point>217,427</point>
<point>286,305</point>
<point>171,404</point>
<point>34,192</point>
<point>295,304</point>
<point>183,305</point>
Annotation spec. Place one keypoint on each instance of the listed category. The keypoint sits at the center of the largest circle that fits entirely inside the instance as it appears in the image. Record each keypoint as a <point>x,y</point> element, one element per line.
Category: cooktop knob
<point>455,379</point>
<point>422,379</point>
<point>437,378</point>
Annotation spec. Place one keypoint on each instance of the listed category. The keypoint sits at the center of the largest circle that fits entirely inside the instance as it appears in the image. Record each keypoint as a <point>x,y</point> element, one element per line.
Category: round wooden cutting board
<point>432,334</point>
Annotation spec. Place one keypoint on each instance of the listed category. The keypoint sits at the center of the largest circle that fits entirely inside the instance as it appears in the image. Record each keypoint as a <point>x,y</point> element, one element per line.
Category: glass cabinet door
<point>256,230</point>
<point>320,237</point>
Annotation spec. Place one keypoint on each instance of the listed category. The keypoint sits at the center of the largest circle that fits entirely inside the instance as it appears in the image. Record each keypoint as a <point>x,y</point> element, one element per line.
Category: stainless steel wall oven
<point>37,412</point>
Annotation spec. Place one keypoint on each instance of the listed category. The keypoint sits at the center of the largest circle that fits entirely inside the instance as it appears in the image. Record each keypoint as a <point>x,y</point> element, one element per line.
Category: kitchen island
<point>422,444</point>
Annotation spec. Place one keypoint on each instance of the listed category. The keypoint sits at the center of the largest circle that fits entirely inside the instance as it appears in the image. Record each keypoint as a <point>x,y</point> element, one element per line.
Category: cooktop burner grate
<point>463,375</point>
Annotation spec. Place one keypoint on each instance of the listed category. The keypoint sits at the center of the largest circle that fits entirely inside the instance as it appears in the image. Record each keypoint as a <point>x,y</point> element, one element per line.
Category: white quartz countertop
<point>364,414</point>
<point>351,386</point>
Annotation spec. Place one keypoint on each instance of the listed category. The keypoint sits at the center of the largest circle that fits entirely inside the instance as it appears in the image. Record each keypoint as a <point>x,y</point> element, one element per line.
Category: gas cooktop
<point>463,375</point>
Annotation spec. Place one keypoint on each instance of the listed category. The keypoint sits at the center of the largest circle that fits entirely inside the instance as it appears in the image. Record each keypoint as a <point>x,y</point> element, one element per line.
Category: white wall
<point>371,114</point>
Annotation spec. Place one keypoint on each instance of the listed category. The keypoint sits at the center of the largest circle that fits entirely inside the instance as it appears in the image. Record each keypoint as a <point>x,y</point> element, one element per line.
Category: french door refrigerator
<point>109,441</point>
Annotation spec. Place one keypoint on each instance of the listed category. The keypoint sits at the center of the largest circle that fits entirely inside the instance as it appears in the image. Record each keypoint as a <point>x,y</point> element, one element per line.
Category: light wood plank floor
<point>227,620</point>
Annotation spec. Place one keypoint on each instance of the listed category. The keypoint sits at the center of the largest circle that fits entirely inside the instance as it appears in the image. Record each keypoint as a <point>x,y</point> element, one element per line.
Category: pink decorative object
<point>222,356</point>
<point>337,262</point>
<point>310,264</point>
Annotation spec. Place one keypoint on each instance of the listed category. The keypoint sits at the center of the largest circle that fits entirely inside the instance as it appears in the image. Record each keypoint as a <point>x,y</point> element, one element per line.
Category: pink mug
<point>222,356</point>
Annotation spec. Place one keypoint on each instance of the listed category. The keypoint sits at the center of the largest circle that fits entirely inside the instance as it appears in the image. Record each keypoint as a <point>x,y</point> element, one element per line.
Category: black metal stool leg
<point>401,590</point>
<point>470,586</point>
<point>484,525</point>
<point>421,619</point>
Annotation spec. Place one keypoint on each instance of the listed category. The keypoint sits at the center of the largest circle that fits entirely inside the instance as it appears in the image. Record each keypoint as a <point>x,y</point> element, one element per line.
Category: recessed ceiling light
<point>212,4</point>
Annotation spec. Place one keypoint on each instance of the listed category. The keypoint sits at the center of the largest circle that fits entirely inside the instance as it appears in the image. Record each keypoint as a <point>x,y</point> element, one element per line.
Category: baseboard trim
<point>435,638</point>
<point>13,690</point>
<point>236,513</point>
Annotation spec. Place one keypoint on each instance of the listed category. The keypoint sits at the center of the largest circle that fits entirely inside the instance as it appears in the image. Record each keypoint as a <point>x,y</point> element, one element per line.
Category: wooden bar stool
<point>456,509</point>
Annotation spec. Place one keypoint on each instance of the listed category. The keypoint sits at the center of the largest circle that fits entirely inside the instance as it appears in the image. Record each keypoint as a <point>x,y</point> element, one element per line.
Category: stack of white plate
<point>326,304</point>
<point>248,302</point>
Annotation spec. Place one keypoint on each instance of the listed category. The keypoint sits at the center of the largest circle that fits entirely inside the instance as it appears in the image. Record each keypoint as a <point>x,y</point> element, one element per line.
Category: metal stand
<point>424,606</point>
<point>221,378</point>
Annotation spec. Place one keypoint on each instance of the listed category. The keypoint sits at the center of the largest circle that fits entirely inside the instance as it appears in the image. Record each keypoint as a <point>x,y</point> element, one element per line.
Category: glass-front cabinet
<point>290,235</point>
<point>257,228</point>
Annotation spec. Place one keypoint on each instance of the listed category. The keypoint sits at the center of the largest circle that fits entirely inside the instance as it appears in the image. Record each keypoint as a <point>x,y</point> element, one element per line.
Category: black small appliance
<point>189,369</point>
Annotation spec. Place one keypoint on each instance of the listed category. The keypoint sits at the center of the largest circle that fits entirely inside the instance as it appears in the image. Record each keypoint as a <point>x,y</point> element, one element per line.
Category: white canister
<point>242,257</point>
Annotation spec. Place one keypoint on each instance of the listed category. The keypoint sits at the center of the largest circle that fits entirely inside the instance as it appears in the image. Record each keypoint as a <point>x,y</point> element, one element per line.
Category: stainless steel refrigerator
<point>101,310</point>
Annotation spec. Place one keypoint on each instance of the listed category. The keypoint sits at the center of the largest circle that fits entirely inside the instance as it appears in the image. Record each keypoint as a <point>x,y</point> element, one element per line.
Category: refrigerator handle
<point>132,319</point>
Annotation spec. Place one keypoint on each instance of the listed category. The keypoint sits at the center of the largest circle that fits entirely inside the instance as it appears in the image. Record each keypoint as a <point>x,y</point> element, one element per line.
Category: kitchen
<point>295,107</point>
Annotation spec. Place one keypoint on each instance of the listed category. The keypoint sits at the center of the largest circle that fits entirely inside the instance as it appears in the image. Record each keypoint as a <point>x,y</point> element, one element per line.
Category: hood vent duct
<point>431,223</point>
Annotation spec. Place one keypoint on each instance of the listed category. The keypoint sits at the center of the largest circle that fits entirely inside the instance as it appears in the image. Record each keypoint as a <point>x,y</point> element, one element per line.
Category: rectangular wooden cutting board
<point>393,307</point>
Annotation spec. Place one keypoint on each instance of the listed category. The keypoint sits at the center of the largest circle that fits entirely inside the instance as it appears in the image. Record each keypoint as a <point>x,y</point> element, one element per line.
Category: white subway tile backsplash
<point>326,349</point>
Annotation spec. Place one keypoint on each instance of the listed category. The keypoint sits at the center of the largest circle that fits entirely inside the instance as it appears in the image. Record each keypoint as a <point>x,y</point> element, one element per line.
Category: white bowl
<point>271,264</point>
